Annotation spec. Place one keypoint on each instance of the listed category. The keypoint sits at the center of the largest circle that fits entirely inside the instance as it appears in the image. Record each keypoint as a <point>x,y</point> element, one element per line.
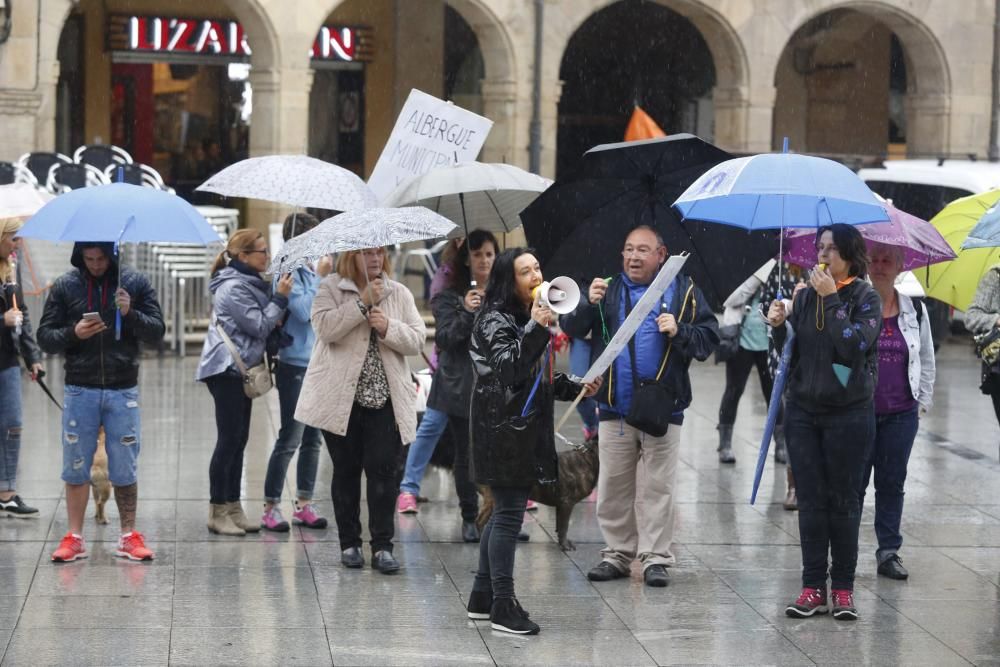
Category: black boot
<point>780,450</point>
<point>726,444</point>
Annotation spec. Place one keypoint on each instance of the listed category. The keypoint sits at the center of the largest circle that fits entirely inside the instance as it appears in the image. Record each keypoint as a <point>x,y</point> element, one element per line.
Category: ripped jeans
<point>85,410</point>
<point>10,426</point>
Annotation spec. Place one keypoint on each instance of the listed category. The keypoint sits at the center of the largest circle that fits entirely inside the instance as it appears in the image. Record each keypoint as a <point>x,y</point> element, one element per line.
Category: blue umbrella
<point>772,410</point>
<point>120,213</point>
<point>778,190</point>
<point>986,233</point>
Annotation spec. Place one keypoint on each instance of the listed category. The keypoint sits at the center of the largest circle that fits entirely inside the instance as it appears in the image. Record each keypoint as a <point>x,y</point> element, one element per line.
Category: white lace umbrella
<point>357,230</point>
<point>21,200</point>
<point>474,195</point>
<point>297,180</point>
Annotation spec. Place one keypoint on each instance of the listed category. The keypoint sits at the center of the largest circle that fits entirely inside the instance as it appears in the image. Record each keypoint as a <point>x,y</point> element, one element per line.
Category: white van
<point>923,188</point>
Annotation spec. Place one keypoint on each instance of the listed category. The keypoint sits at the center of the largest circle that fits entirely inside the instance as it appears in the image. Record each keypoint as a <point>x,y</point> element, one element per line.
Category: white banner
<point>429,133</point>
<point>649,300</point>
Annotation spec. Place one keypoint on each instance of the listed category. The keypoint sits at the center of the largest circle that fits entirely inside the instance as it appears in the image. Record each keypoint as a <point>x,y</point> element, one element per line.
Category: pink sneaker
<point>307,516</point>
<point>406,503</point>
<point>810,601</point>
<point>531,506</point>
<point>273,521</point>
<point>70,548</point>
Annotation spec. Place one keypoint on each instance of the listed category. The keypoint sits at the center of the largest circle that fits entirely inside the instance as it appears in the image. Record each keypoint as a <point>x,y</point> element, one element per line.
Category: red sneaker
<point>530,506</point>
<point>70,548</point>
<point>843,605</point>
<point>133,546</point>
<point>811,601</point>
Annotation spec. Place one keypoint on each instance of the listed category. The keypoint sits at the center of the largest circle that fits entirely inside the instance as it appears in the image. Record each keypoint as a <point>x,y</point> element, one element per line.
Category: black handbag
<point>652,401</point>
<point>729,342</point>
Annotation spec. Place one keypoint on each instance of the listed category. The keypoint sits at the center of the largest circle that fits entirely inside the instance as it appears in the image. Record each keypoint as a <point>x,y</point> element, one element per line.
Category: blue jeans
<point>421,449</point>
<point>85,411</point>
<point>828,453</point>
<point>579,364</point>
<point>288,379</point>
<point>10,426</point>
<point>894,435</point>
<point>499,541</point>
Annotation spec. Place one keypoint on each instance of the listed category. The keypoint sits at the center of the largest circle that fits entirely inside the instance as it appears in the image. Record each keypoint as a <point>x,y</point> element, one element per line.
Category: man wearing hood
<point>102,375</point>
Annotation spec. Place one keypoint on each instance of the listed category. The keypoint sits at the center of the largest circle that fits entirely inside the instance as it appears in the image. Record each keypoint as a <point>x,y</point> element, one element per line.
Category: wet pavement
<point>285,598</point>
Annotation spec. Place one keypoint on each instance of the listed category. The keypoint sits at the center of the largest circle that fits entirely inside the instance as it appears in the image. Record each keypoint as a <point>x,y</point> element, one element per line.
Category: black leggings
<point>737,373</point>
<point>232,424</point>
<point>468,495</point>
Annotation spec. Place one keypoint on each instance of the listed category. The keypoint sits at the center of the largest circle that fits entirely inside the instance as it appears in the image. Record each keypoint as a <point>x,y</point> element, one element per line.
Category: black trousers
<point>468,495</point>
<point>499,541</point>
<point>371,445</point>
<point>232,424</point>
<point>828,454</point>
<point>737,373</point>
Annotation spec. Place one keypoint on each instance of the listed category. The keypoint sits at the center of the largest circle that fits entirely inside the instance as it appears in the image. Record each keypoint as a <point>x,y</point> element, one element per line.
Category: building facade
<point>188,82</point>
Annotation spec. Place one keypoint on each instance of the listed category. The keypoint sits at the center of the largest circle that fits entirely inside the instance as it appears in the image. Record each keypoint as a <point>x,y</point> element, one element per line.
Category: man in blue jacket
<point>292,364</point>
<point>681,329</point>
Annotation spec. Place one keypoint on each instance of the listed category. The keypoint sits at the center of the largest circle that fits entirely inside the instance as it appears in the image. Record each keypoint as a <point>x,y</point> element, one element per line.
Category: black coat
<point>846,334</point>
<point>99,361</point>
<point>697,336</point>
<point>508,449</point>
<point>451,390</point>
<point>24,346</point>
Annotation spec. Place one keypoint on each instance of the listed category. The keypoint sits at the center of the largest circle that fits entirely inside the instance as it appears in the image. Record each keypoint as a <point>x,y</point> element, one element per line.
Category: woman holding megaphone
<point>513,442</point>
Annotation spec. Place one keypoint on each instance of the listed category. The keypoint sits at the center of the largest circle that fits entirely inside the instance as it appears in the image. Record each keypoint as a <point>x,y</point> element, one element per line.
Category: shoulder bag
<point>257,381</point>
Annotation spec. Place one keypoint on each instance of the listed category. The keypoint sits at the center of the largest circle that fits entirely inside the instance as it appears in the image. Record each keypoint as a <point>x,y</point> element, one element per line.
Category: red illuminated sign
<point>222,37</point>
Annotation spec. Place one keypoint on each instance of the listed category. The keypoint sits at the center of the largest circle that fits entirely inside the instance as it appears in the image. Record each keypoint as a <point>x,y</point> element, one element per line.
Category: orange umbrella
<point>641,126</point>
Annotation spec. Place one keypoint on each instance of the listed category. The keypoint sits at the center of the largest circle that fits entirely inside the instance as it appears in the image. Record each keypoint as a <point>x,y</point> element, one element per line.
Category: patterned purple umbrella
<point>921,242</point>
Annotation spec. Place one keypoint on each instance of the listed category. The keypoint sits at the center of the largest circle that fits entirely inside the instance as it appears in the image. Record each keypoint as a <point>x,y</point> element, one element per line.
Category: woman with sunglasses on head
<point>359,392</point>
<point>245,311</point>
<point>830,415</point>
<point>513,443</point>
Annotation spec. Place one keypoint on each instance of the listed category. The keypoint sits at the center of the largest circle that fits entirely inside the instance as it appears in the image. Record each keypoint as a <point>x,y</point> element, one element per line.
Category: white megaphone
<point>561,295</point>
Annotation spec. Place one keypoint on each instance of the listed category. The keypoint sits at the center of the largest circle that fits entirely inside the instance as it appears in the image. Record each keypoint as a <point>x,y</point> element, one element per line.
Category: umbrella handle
<point>118,324</point>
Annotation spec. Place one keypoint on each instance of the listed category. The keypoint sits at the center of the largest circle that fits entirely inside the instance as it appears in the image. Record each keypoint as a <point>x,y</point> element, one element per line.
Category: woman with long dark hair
<point>513,443</point>
<point>455,308</point>
<point>830,413</point>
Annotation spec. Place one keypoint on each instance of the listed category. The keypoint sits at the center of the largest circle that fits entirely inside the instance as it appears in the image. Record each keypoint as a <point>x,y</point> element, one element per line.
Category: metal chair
<point>101,156</point>
<point>66,177</point>
<point>40,165</point>
<point>425,256</point>
<point>137,173</point>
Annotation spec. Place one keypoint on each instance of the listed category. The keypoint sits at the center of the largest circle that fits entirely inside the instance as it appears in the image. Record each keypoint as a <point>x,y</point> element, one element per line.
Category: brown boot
<point>240,517</point>
<point>220,522</point>
<point>791,500</point>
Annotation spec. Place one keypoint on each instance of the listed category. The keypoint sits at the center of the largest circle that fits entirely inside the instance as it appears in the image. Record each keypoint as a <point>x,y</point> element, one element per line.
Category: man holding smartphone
<point>102,374</point>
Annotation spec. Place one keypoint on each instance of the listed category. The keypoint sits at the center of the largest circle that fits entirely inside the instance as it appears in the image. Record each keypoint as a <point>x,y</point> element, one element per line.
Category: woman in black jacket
<point>830,413</point>
<point>513,443</point>
<point>454,309</point>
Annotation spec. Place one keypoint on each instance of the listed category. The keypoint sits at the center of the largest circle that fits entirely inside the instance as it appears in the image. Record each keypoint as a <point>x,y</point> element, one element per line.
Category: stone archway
<point>853,53</point>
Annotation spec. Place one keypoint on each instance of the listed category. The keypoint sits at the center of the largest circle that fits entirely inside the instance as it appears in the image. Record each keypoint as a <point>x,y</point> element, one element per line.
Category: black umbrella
<point>578,226</point>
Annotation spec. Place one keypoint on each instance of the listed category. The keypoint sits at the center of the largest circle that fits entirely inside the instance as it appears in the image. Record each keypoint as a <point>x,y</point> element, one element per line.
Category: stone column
<point>929,126</point>
<point>500,106</point>
<point>551,93</point>
<point>743,118</point>
<point>279,124</point>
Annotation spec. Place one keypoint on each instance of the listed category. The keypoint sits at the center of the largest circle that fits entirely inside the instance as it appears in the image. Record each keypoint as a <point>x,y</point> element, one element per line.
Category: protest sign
<point>429,133</point>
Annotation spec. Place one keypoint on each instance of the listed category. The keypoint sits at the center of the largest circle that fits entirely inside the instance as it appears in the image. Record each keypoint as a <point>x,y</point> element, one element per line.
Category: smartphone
<point>93,316</point>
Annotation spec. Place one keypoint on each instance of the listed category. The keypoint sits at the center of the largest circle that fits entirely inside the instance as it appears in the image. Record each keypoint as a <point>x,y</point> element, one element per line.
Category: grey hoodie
<point>245,308</point>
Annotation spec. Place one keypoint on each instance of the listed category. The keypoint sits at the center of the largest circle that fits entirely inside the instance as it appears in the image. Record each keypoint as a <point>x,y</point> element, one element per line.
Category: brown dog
<point>99,479</point>
<point>577,478</point>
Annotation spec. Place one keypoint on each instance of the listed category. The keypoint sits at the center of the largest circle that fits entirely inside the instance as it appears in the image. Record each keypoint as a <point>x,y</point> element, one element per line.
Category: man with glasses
<point>681,329</point>
<point>102,377</point>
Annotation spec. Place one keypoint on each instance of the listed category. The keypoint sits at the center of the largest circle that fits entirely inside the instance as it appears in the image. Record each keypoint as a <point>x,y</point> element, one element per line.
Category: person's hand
<point>85,329</point>
<point>473,299</point>
<point>598,289</point>
<point>373,293</point>
<point>123,300</point>
<point>592,388</point>
<point>285,284</point>
<point>542,314</point>
<point>378,321</point>
<point>324,266</point>
<point>12,318</point>
<point>776,313</point>
<point>667,324</point>
<point>799,286</point>
<point>36,370</point>
<point>822,281</point>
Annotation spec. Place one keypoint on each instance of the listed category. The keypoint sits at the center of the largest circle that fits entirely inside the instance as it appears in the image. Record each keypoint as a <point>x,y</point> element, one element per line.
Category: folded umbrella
<point>297,180</point>
<point>578,226</point>
<point>358,230</point>
<point>21,200</point>
<point>955,282</point>
<point>473,195</point>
